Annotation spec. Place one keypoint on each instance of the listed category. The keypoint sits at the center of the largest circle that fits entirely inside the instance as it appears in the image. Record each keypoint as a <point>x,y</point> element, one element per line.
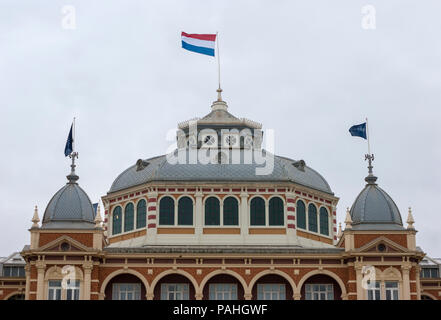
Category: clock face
<point>248,141</point>
<point>192,140</point>
<point>231,140</point>
<point>209,140</point>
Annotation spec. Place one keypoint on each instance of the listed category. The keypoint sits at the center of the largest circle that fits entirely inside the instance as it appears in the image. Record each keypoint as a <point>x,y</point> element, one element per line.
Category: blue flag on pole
<point>359,130</point>
<point>69,143</point>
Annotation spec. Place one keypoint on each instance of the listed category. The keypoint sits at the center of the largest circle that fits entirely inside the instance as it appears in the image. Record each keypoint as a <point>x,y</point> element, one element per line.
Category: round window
<point>65,246</point>
<point>381,247</point>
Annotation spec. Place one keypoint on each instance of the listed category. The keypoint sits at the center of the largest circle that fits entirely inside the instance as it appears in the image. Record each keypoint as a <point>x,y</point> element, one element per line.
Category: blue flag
<point>69,147</point>
<point>359,130</point>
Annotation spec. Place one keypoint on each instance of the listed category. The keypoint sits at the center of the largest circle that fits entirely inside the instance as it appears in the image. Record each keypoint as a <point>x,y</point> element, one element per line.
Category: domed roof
<point>374,209</point>
<point>70,208</point>
<point>159,169</point>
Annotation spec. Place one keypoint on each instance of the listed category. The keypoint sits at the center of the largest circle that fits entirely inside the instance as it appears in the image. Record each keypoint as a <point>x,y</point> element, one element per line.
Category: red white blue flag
<point>200,43</point>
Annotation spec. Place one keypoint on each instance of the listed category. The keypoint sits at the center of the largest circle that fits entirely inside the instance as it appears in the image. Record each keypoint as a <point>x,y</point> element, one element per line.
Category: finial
<point>98,217</point>
<point>348,219</point>
<point>35,218</point>
<point>72,177</point>
<point>340,233</point>
<point>410,221</point>
<point>219,104</point>
<point>370,179</point>
<point>219,94</point>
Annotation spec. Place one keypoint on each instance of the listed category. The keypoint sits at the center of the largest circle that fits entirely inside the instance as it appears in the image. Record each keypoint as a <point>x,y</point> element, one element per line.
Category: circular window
<point>65,246</point>
<point>381,247</point>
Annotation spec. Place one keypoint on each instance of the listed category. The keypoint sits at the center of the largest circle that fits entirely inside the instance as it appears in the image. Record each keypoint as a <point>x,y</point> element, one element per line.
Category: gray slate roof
<point>374,209</point>
<point>234,249</point>
<point>159,169</point>
<point>70,207</point>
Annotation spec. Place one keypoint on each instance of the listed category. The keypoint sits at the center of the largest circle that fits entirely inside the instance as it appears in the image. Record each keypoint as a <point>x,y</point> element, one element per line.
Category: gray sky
<point>306,69</point>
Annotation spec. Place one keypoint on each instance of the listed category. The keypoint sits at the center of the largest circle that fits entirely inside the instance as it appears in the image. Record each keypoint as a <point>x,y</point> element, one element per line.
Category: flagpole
<point>218,59</point>
<point>367,132</point>
<point>73,136</point>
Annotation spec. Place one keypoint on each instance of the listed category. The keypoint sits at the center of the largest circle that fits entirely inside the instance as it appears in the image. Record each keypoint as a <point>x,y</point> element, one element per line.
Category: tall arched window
<point>141,213</point>
<point>167,211</point>
<point>185,212</point>
<point>231,212</point>
<point>301,215</point>
<point>212,212</point>
<point>276,212</point>
<point>257,211</point>
<point>324,221</point>
<point>128,217</point>
<point>116,220</point>
<point>312,218</point>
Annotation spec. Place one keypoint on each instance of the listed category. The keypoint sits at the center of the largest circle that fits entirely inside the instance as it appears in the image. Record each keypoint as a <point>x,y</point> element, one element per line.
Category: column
<point>406,282</point>
<point>41,266</point>
<point>290,217</point>
<point>359,279</point>
<point>87,267</point>
<point>152,213</point>
<point>244,220</point>
<point>198,215</point>
<point>28,280</point>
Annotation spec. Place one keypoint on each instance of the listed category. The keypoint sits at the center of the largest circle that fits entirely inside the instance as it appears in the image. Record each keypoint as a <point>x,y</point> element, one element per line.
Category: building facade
<point>222,218</point>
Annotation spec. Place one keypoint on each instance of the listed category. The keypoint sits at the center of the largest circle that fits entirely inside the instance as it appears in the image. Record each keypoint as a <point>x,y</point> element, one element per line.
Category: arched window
<point>324,221</point>
<point>167,211</point>
<point>212,212</point>
<point>141,213</point>
<point>301,215</point>
<point>257,211</point>
<point>116,220</point>
<point>128,217</point>
<point>276,212</point>
<point>231,212</point>
<point>185,212</point>
<point>312,218</point>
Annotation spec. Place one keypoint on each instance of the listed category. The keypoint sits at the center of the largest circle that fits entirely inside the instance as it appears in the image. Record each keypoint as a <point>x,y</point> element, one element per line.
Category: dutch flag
<point>200,43</point>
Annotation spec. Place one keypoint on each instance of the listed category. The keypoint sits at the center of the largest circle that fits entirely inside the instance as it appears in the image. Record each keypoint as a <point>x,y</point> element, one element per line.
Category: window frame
<point>237,211</point>
<point>319,292</point>
<point>283,211</point>
<point>228,293</point>
<point>130,203</point>
<point>120,220</point>
<point>319,222</point>
<point>174,206</point>
<point>219,213</point>
<point>184,291</point>
<point>262,292</point>
<point>137,215</point>
<point>265,212</point>
<point>117,290</point>
<point>305,215</point>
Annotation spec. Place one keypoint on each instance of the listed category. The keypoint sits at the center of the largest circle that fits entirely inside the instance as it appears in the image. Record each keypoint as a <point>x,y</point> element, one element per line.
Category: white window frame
<point>73,289</point>
<point>132,289</point>
<point>181,289</point>
<point>271,291</point>
<point>222,291</point>
<point>55,290</point>
<point>393,293</point>
<point>312,291</point>
<point>375,291</point>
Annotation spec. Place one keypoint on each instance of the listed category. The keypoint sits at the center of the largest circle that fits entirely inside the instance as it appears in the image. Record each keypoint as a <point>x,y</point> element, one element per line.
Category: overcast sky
<point>306,69</point>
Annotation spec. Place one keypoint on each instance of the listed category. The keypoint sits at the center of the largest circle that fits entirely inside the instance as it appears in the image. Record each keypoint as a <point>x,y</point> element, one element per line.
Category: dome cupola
<point>373,208</point>
<point>70,207</point>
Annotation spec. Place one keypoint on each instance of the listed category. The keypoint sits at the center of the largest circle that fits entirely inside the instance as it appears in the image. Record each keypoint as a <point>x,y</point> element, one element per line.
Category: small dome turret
<point>70,207</point>
<point>373,208</point>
